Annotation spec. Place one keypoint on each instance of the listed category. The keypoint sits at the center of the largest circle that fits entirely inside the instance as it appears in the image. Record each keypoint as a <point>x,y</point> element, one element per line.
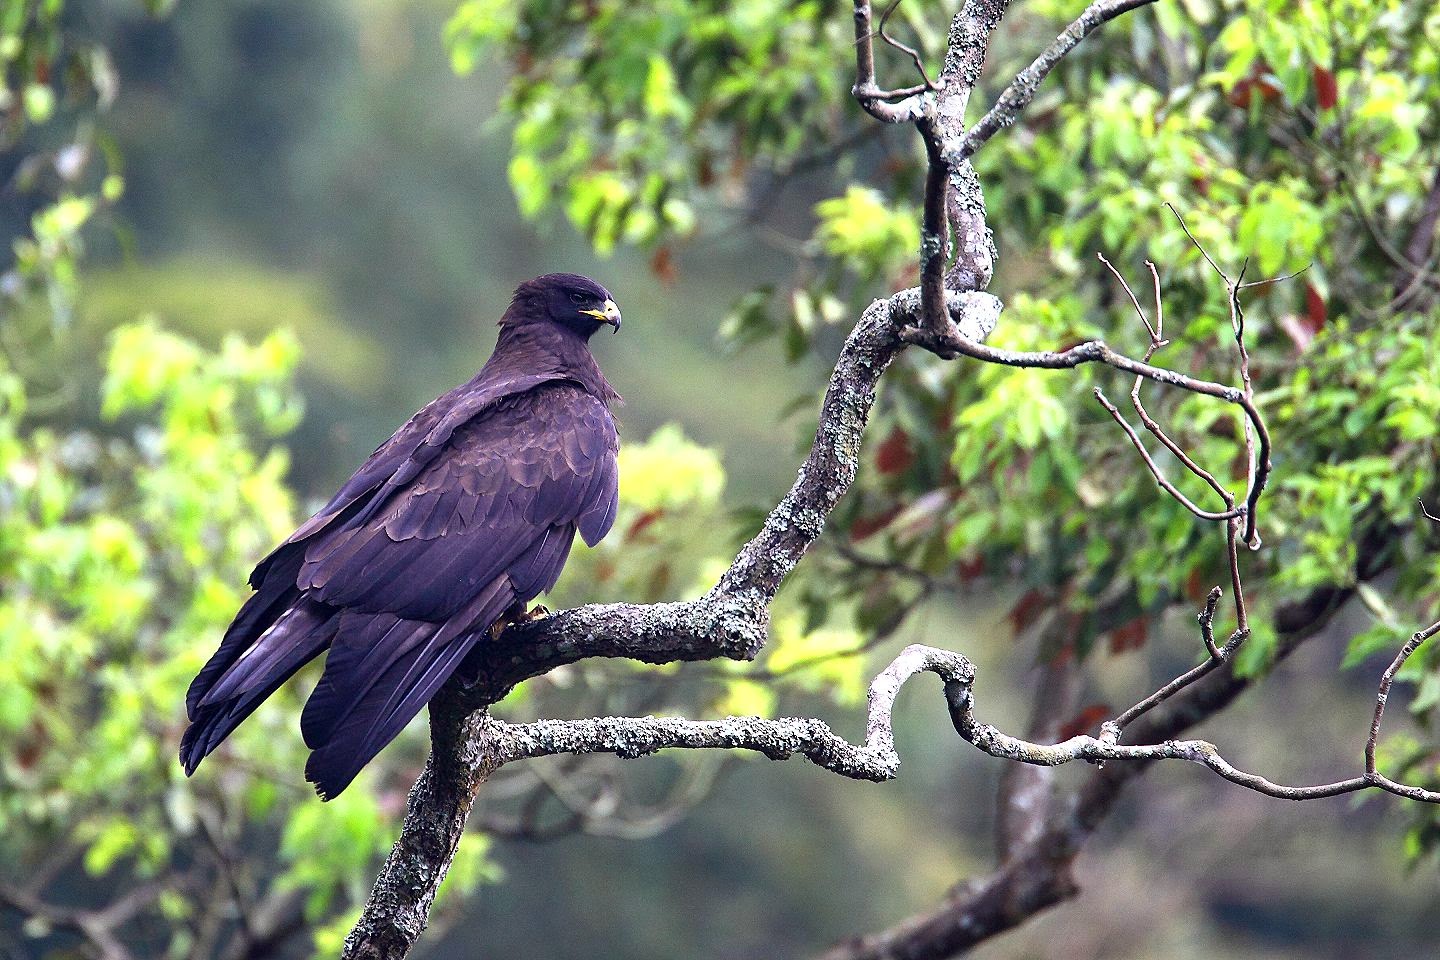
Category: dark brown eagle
<point>457,521</point>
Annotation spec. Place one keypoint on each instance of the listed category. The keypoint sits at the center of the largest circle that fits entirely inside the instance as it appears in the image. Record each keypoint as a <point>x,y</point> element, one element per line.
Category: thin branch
<point>1021,91</point>
<point>1383,695</point>
<point>1206,619</point>
<point>952,344</point>
<point>909,51</point>
<point>1110,731</point>
<point>872,99</point>
<point>1156,340</point>
<point>1154,468</point>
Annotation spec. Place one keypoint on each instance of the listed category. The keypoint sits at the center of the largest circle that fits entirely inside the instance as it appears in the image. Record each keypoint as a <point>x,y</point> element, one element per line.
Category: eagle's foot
<point>518,614</point>
<point>537,612</point>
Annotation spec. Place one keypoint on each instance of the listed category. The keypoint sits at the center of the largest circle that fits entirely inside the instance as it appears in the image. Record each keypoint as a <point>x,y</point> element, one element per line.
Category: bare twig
<point>1154,468</point>
<point>1017,96</point>
<point>1383,695</point>
<point>951,344</point>
<point>1156,339</point>
<point>876,101</point>
<point>909,51</point>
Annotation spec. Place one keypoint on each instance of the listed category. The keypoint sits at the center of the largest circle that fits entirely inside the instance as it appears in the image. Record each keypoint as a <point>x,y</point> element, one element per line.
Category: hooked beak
<point>610,315</point>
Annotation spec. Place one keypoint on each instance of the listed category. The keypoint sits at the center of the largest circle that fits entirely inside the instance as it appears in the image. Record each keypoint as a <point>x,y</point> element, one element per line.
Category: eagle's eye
<point>577,298</point>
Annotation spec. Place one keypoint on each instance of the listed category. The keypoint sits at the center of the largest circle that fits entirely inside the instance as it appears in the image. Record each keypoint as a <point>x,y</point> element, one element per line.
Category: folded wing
<point>402,573</point>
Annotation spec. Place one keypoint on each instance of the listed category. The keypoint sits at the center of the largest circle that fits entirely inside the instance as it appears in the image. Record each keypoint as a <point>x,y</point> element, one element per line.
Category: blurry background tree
<point>240,167</point>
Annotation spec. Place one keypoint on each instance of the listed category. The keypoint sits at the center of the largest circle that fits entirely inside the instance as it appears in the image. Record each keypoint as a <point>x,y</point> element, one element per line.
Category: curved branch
<point>729,621</point>
<point>872,99</point>
<point>779,739</point>
<point>470,746</point>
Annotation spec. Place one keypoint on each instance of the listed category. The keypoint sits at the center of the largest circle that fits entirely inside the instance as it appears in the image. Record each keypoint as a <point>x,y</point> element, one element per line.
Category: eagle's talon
<point>518,615</point>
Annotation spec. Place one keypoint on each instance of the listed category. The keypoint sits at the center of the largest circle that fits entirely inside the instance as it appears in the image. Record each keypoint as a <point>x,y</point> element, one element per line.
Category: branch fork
<point>951,316</point>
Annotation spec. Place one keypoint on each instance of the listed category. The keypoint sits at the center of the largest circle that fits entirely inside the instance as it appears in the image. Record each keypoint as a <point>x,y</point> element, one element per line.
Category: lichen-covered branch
<point>399,905</point>
<point>779,739</point>
<point>731,620</point>
<point>949,316</point>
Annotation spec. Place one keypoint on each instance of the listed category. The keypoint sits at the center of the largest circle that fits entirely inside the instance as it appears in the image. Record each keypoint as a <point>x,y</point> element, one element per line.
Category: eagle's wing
<point>402,582</point>
<point>396,461</point>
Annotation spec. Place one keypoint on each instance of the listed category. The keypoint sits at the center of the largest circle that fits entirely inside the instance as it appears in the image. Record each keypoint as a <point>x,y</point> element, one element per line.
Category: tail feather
<point>370,692</point>
<point>295,639</point>
<point>274,595</point>
<point>391,704</point>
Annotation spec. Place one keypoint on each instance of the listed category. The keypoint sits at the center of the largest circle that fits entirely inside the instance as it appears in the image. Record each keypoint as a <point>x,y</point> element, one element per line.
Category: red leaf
<point>1239,94</point>
<point>1315,311</point>
<point>1302,329</point>
<point>971,569</point>
<point>642,522</point>
<point>1129,636</point>
<point>1027,609</point>
<point>865,527</point>
<point>1261,80</point>
<point>662,264</point>
<point>894,455</point>
<point>1084,721</point>
<point>1327,92</point>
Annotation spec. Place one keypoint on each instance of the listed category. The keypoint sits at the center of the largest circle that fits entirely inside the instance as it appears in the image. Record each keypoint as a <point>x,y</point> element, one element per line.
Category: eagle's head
<point>576,303</point>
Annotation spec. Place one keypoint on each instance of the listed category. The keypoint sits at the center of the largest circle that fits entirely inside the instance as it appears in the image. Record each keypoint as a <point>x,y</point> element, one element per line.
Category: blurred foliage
<point>52,86</point>
<point>210,299</point>
<point>1292,134</point>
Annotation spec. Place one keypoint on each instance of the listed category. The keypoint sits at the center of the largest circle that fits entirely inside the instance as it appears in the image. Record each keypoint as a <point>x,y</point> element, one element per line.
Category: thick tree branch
<point>729,621</point>
<point>399,905</point>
